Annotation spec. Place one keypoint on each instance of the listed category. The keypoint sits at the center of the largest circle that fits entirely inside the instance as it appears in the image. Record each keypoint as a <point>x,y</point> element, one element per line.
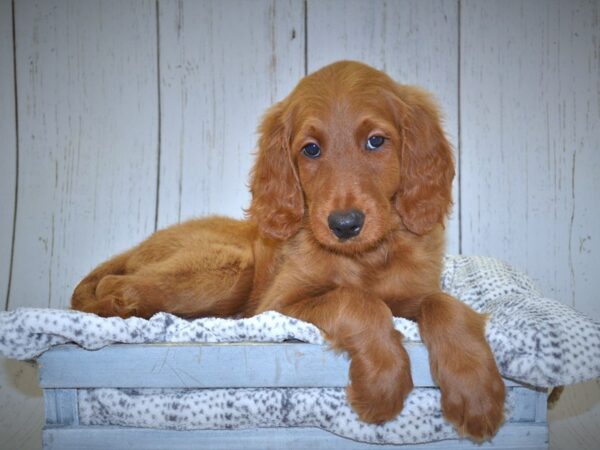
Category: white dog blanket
<point>535,340</point>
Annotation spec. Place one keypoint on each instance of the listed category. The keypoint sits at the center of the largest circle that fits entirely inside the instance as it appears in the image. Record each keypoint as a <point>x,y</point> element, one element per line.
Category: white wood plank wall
<point>128,115</point>
<point>21,408</point>
<point>530,160</point>
<point>222,63</point>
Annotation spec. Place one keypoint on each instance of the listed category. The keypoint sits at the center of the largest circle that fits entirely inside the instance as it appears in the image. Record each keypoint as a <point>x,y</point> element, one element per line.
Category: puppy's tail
<point>85,292</point>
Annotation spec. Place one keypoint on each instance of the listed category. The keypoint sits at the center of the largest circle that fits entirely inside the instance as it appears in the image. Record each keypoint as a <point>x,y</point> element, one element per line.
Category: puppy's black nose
<point>346,224</point>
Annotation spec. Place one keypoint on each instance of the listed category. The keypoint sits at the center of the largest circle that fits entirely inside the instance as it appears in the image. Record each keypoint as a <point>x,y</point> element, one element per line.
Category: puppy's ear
<point>424,198</point>
<point>277,202</point>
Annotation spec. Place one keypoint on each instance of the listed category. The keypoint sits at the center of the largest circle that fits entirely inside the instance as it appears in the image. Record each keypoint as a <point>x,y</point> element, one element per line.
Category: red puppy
<point>350,190</point>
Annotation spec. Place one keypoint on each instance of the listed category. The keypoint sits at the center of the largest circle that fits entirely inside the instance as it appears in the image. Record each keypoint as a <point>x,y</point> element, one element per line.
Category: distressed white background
<point>117,117</point>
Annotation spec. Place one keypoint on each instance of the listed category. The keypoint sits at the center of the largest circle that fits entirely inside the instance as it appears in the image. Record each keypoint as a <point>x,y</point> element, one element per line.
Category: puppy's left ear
<point>277,200</point>
<point>424,198</point>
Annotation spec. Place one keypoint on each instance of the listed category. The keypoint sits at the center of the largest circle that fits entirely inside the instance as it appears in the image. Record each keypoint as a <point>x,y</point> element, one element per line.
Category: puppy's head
<point>351,154</point>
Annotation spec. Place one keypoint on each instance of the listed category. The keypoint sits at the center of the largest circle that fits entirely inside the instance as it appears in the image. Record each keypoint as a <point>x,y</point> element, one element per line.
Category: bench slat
<point>208,366</point>
<point>511,436</point>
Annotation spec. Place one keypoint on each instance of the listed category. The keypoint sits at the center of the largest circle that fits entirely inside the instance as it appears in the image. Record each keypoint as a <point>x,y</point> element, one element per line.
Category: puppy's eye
<point>312,151</point>
<point>374,142</point>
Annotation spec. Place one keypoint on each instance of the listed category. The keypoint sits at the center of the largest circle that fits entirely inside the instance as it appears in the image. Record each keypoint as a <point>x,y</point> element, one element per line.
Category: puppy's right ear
<point>424,198</point>
<point>277,202</point>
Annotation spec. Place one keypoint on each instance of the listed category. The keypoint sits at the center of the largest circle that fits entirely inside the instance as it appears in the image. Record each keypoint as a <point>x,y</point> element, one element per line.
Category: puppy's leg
<point>462,363</point>
<point>189,284</point>
<point>197,268</point>
<point>124,296</point>
<point>84,296</point>
<point>380,378</point>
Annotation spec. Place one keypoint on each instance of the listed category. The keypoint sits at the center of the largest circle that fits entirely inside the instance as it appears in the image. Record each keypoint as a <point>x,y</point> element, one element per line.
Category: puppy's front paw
<point>473,401</point>
<point>379,383</point>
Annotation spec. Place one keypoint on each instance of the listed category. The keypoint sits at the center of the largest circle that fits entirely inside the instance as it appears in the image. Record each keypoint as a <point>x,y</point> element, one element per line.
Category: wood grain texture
<point>8,140</point>
<point>21,405</point>
<point>222,64</point>
<point>515,437</point>
<point>87,109</point>
<point>61,407</point>
<point>415,42</point>
<point>208,365</point>
<point>530,103</point>
<point>530,117</point>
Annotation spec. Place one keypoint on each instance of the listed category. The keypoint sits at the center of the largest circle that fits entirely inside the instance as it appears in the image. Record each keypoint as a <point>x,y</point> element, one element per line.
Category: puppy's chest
<point>381,277</point>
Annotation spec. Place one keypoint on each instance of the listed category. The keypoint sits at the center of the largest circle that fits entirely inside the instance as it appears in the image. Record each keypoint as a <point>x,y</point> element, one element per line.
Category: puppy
<point>350,190</point>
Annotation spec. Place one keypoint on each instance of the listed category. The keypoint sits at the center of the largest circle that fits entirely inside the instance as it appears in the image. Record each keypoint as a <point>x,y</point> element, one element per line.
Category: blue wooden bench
<point>66,369</point>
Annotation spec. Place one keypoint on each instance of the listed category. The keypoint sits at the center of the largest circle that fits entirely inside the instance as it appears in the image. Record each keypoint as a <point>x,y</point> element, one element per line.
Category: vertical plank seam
<point>159,118</point>
<point>70,400</point>
<point>459,128</point>
<point>571,223</point>
<point>76,406</point>
<point>14,225</point>
<point>305,37</point>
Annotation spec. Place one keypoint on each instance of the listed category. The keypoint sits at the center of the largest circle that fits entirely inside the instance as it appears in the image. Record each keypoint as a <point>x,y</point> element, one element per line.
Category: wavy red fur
<point>285,257</point>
